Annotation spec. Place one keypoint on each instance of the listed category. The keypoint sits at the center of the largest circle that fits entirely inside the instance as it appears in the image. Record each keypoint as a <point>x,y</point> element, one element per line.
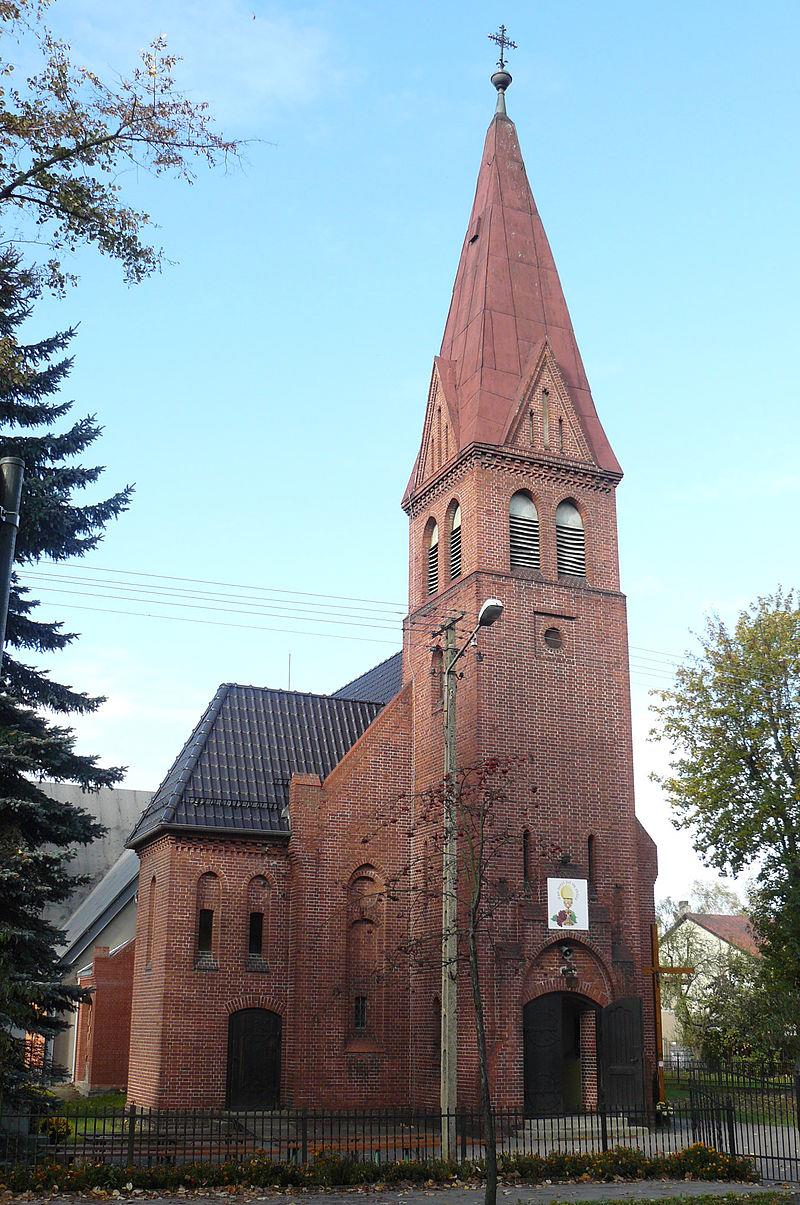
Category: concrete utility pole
<point>491,610</point>
<point>12,471</point>
<point>449,1026</point>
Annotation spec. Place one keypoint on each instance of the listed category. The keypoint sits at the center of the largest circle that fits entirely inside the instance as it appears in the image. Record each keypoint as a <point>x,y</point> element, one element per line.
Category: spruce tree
<point>37,833</point>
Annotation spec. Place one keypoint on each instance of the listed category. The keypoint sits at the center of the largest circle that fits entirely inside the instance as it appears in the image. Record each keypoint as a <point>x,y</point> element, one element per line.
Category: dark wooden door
<point>254,1059</point>
<point>543,1055</point>
<point>621,1055</point>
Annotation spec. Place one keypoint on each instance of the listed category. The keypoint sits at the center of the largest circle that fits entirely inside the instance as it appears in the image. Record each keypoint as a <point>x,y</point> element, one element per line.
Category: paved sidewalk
<point>518,1194</point>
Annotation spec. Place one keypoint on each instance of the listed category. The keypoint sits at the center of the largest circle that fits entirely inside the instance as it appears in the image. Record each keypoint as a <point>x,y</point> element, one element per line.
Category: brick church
<point>262,969</point>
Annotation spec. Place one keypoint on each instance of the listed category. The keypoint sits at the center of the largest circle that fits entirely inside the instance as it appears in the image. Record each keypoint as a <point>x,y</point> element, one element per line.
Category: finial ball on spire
<point>501,80</point>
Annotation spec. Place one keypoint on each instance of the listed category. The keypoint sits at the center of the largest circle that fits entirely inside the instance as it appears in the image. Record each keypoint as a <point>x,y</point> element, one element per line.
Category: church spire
<point>508,309</point>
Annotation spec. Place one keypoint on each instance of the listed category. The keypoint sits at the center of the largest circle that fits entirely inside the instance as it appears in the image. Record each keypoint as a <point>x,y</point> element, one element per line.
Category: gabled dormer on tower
<point>509,372</point>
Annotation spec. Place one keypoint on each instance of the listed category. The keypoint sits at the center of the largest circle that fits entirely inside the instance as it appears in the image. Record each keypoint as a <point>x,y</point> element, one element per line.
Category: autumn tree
<point>731,723</point>
<point>67,136</point>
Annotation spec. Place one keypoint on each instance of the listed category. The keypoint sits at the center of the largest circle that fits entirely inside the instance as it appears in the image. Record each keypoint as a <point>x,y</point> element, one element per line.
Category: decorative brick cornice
<point>538,465</point>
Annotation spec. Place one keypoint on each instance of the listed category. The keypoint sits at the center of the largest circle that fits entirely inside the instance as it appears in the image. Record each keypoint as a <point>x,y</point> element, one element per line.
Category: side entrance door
<point>542,1055</point>
<point>254,1059</point>
<point>621,1055</point>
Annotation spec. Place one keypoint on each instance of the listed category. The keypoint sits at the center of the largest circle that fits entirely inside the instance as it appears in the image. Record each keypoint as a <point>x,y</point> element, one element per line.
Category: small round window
<point>553,638</point>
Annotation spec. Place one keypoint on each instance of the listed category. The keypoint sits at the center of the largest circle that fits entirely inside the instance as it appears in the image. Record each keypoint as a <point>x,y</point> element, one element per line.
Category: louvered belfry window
<point>570,540</point>
<point>523,521</point>
<point>433,559</point>
<point>455,544</point>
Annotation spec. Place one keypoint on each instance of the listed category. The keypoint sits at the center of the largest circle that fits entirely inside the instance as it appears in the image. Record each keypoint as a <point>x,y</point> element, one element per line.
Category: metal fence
<point>752,1109</point>
<point>145,1137</point>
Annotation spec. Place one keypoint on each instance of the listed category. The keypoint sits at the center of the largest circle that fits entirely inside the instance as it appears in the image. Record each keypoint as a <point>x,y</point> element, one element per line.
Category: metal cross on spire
<point>504,42</point>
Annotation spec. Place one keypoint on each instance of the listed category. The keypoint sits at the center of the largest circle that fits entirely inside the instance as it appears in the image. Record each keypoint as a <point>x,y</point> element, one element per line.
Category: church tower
<point>513,496</point>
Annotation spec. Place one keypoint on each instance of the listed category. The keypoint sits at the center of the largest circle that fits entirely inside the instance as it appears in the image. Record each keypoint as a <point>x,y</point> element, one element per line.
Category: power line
<point>352,623</point>
<point>310,607</point>
<point>200,581</point>
<point>646,661</point>
<point>218,623</point>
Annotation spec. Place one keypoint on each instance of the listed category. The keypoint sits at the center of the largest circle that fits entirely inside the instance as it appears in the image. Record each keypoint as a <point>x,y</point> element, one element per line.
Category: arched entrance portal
<point>576,1054</point>
<point>254,1059</point>
<point>560,1054</point>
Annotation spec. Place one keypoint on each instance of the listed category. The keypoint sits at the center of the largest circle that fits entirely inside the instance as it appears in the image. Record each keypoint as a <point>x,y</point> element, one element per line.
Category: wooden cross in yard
<point>656,970</point>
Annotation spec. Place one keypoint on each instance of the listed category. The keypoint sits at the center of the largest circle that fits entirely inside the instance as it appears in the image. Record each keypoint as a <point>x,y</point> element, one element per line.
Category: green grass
<point>777,1107</point>
<point>90,1106</point>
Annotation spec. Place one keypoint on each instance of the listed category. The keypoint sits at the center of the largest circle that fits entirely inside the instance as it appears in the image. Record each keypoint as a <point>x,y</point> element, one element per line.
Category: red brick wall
<point>569,712</point>
<point>179,1029</point>
<point>566,711</point>
<point>358,817</point>
<point>104,1024</point>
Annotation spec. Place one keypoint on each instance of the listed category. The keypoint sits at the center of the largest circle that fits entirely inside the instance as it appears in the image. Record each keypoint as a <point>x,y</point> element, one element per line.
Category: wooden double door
<point>554,1062</point>
<point>254,1059</point>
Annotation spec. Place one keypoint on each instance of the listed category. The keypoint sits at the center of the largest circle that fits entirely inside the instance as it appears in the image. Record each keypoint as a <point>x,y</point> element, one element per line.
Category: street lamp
<point>491,611</point>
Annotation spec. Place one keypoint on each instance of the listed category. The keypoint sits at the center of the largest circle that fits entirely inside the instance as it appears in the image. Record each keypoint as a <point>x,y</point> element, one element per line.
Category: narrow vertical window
<point>531,437</point>
<point>432,565</point>
<point>526,860</point>
<point>360,1014</point>
<point>258,911</point>
<point>546,418</point>
<point>439,435</point>
<point>570,540</point>
<point>207,933</point>
<point>523,522</point>
<point>255,941</point>
<point>560,434</point>
<point>205,930</point>
<point>455,544</point>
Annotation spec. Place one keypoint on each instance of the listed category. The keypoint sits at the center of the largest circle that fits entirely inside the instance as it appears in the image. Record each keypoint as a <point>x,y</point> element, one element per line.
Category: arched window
<point>570,540</point>
<point>432,565</point>
<point>454,551</point>
<point>207,920</point>
<point>523,523</point>
<point>151,919</point>
<point>258,901</point>
<point>364,935</point>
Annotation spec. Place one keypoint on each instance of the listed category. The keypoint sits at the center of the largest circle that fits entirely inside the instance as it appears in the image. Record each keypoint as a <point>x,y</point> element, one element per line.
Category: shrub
<point>334,1169</point>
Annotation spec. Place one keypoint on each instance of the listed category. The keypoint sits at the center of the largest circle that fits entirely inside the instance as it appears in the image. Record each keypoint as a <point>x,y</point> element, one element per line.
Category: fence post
<point>730,1117</point>
<point>463,1137</point>
<point>304,1137</point>
<point>131,1133</point>
<point>797,1094</point>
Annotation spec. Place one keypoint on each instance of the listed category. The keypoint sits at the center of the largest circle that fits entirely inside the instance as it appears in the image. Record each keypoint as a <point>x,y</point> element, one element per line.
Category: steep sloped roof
<point>108,898</point>
<point>507,300</point>
<point>378,685</point>
<point>507,307</point>
<point>233,772</point>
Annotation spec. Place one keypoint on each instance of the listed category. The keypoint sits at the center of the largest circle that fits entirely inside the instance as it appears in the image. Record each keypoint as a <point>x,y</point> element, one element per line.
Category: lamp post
<point>491,610</point>
<point>12,470</point>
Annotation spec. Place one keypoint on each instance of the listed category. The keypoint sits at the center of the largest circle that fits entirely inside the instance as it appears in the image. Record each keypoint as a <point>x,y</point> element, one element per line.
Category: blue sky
<point>266,392</point>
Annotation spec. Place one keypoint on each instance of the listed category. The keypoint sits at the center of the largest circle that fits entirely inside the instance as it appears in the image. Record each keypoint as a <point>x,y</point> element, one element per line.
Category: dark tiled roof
<point>378,685</point>
<point>233,772</point>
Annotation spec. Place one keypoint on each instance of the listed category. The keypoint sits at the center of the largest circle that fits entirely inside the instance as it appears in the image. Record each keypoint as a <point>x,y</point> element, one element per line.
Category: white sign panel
<point>567,904</point>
